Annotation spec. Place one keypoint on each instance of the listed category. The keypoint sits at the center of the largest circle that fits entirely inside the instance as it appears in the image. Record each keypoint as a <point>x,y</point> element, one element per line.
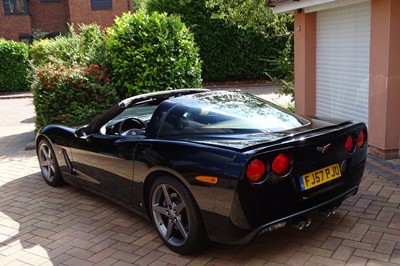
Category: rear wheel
<point>48,164</point>
<point>176,216</point>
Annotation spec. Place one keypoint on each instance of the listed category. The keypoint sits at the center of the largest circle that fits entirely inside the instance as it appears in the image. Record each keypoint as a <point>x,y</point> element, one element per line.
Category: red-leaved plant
<point>71,95</point>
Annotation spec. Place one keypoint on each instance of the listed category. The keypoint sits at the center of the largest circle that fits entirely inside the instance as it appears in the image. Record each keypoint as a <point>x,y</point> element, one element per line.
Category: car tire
<point>48,164</point>
<point>176,216</point>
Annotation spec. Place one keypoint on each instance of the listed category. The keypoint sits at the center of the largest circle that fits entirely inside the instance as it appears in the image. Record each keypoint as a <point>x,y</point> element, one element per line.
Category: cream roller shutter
<point>342,77</point>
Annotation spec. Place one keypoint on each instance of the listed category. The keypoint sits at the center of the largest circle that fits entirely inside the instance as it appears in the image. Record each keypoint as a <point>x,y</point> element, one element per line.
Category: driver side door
<point>105,164</point>
<point>103,159</point>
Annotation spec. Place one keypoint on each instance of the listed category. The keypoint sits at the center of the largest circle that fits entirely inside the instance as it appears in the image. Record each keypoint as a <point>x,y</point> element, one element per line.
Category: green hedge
<point>228,52</point>
<point>70,95</point>
<point>70,75</point>
<point>85,48</point>
<point>14,66</point>
<point>152,53</point>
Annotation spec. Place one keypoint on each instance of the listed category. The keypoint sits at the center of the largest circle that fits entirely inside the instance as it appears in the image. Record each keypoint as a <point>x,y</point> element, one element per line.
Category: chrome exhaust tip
<point>301,223</point>
<point>329,212</point>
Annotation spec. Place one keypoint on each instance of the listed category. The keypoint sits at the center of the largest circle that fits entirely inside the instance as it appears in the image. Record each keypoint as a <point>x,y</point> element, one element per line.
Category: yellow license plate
<point>319,177</point>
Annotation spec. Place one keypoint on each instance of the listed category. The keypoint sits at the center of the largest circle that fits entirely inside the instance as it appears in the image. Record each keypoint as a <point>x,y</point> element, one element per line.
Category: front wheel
<point>176,216</point>
<point>48,164</point>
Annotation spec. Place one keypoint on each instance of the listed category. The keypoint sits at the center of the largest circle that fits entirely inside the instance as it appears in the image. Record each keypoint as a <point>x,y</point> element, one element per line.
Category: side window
<point>188,120</point>
<point>142,112</point>
<point>175,122</point>
<point>101,4</point>
<point>16,6</point>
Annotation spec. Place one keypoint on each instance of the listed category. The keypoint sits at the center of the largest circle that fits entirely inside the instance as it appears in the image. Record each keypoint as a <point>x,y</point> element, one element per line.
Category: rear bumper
<point>222,230</point>
<point>248,219</point>
<point>335,202</point>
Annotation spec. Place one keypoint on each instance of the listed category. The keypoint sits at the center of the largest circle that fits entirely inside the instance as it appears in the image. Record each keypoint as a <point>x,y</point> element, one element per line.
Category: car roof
<point>222,112</point>
<point>117,109</point>
<point>160,95</point>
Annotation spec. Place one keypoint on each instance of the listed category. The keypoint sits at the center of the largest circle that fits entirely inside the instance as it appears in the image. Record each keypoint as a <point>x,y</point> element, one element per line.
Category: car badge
<point>324,148</point>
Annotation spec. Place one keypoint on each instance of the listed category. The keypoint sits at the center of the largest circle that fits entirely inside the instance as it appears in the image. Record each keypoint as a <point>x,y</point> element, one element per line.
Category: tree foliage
<point>153,52</point>
<point>229,50</point>
<point>252,14</point>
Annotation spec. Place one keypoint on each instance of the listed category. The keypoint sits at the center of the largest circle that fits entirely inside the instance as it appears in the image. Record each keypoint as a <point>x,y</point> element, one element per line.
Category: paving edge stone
<point>30,146</point>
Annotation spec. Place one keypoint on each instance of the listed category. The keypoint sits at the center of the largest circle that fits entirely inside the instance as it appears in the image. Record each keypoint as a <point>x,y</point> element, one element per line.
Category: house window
<point>25,38</point>
<point>16,6</point>
<point>101,4</point>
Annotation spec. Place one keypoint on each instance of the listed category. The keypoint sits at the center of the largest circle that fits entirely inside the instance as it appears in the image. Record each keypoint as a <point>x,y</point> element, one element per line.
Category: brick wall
<point>49,16</point>
<point>12,25</point>
<point>54,16</point>
<point>81,12</point>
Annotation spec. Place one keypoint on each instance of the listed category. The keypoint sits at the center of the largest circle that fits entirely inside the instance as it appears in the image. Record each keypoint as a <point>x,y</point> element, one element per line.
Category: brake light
<point>361,139</point>
<point>349,144</point>
<point>280,165</point>
<point>255,170</point>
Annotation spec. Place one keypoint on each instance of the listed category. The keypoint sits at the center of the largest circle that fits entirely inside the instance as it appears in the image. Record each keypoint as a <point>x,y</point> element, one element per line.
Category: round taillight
<point>361,139</point>
<point>349,144</point>
<point>280,164</point>
<point>255,170</point>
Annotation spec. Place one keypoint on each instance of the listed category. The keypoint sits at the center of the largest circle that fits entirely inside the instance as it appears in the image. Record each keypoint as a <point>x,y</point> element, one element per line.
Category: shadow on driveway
<point>73,227</point>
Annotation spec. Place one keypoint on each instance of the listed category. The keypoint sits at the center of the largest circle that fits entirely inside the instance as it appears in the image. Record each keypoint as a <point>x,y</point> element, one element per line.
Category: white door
<point>342,78</point>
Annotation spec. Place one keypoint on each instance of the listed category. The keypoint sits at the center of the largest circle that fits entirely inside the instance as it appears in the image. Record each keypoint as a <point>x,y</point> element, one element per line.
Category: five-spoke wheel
<point>176,216</point>
<point>48,164</point>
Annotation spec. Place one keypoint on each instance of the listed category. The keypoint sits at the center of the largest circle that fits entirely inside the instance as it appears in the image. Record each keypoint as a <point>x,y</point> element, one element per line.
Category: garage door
<point>343,39</point>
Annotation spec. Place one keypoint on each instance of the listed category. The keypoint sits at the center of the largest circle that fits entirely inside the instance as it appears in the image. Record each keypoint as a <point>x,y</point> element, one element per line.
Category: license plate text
<point>319,177</point>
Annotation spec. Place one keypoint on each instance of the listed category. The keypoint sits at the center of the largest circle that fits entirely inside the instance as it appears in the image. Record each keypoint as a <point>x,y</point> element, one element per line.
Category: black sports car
<point>209,165</point>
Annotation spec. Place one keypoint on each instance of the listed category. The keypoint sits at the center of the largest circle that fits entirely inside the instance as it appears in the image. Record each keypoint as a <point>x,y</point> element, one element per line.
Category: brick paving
<point>42,225</point>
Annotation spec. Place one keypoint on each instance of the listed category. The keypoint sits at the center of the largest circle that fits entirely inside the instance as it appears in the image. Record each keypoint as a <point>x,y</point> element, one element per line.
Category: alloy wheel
<point>170,215</point>
<point>47,163</point>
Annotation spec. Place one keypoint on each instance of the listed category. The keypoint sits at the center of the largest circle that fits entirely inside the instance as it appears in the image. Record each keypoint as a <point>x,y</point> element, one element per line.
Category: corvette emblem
<point>324,148</point>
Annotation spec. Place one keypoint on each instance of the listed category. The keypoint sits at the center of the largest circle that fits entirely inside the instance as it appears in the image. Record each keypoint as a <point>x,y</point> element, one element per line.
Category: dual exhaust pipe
<point>300,222</point>
<point>303,222</point>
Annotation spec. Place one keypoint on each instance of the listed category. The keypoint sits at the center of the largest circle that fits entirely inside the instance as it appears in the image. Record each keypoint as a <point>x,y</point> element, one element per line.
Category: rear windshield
<point>228,112</point>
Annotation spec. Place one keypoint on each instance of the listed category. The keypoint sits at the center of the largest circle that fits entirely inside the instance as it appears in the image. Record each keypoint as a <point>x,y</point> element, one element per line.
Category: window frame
<point>101,5</point>
<point>25,38</point>
<point>7,7</point>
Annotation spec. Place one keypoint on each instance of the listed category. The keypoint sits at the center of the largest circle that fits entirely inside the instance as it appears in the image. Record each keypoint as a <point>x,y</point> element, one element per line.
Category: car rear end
<point>316,169</point>
<point>285,165</point>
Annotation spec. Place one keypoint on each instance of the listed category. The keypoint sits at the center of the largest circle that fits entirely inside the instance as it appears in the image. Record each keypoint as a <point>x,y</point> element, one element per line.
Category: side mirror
<point>82,133</point>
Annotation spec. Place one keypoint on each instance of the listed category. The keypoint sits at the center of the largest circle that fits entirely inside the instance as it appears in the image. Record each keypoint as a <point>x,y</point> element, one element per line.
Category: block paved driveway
<point>41,225</point>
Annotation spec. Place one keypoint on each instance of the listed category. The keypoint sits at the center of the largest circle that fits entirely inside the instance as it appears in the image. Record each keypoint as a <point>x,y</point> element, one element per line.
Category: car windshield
<point>228,112</point>
<point>142,111</point>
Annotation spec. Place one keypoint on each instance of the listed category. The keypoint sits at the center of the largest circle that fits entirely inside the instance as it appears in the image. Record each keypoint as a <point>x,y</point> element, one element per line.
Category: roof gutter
<point>288,6</point>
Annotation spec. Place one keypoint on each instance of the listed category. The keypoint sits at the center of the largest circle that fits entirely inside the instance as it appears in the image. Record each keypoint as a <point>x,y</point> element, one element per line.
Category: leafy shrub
<point>84,49</point>
<point>14,66</point>
<point>40,51</point>
<point>70,77</point>
<point>70,95</point>
<point>228,51</point>
<point>38,34</point>
<point>152,53</point>
<point>285,63</point>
